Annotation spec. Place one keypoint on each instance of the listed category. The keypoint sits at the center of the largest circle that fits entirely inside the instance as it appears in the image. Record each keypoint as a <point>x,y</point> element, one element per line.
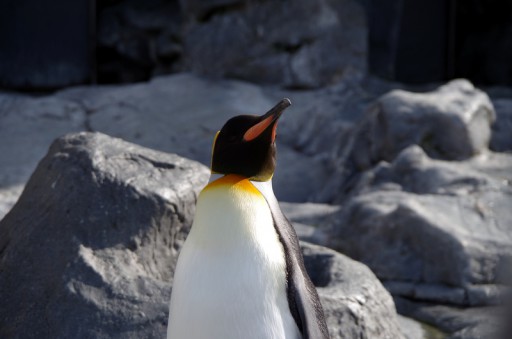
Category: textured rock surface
<point>89,248</point>
<point>355,303</point>
<point>458,323</point>
<point>310,220</point>
<point>418,212</point>
<point>413,329</point>
<point>138,39</point>
<point>502,129</point>
<point>452,122</point>
<point>27,127</point>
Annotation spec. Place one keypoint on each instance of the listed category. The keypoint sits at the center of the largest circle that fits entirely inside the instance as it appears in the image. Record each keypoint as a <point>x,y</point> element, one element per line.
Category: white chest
<point>230,280</point>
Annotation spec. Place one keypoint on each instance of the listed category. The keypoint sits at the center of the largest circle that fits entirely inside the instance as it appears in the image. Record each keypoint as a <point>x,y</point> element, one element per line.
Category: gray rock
<point>417,213</point>
<point>200,9</point>
<point>8,197</point>
<point>310,233</point>
<point>182,113</point>
<point>320,41</point>
<point>27,127</point>
<point>323,119</point>
<point>501,140</point>
<point>310,220</point>
<point>89,248</point>
<point>458,323</point>
<point>451,123</point>
<point>137,39</point>
<point>309,213</point>
<point>413,329</point>
<point>356,305</point>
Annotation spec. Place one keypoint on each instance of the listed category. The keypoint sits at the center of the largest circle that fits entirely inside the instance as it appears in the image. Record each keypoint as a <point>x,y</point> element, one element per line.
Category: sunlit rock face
<point>90,247</point>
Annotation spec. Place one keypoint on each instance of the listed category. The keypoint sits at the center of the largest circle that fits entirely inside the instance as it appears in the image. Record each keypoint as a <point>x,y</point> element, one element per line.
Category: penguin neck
<point>232,205</point>
<point>265,187</point>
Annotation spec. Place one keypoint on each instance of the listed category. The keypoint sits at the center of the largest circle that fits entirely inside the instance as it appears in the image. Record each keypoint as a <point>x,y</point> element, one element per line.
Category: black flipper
<point>303,298</point>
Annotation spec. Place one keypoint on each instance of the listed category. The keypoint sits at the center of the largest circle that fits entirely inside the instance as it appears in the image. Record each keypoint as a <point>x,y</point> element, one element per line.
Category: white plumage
<point>230,280</point>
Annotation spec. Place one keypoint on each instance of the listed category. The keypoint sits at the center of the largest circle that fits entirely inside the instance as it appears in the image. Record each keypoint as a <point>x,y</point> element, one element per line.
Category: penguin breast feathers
<point>230,280</point>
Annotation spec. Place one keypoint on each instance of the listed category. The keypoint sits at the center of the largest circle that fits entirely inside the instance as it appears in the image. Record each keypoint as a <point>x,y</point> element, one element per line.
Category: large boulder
<point>90,247</point>
<point>431,229</point>
<point>88,250</point>
<point>451,123</point>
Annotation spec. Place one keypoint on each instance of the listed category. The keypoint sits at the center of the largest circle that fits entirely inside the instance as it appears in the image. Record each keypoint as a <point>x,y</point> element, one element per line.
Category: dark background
<point>47,45</point>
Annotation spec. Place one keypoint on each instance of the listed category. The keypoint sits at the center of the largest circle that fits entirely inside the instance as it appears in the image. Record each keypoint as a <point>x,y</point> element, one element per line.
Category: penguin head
<point>246,145</point>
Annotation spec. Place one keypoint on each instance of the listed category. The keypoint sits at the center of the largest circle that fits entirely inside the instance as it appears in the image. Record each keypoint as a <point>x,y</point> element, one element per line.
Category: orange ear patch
<point>255,131</point>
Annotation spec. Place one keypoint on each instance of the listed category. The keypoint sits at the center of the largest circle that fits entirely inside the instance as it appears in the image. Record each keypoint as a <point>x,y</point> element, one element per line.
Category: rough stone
<point>137,39</point>
<point>451,123</point>
<point>27,127</point>
<point>459,323</point>
<point>200,9</point>
<point>310,220</point>
<point>412,329</point>
<point>309,213</point>
<point>405,218</point>
<point>89,248</point>
<point>501,140</point>
<point>356,305</point>
<point>8,197</point>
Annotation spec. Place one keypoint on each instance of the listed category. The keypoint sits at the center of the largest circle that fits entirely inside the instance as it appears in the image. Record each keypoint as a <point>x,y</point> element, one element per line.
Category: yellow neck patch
<point>234,181</point>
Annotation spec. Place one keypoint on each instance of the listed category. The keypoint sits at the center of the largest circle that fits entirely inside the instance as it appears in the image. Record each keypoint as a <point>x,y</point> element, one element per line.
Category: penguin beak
<point>266,120</point>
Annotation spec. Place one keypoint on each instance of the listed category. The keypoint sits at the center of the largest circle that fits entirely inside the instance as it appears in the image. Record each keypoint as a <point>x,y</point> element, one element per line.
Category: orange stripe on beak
<point>268,119</point>
<point>256,130</point>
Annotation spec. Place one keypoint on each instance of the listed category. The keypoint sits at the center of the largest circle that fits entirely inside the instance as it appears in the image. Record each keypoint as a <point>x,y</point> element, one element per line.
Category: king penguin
<point>240,273</point>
